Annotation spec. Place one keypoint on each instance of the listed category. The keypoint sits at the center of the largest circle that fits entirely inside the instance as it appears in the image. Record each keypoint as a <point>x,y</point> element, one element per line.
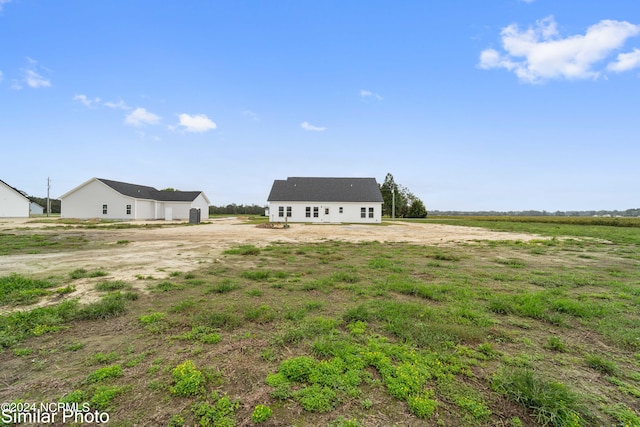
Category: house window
<point>340,208</point>
<point>307,212</point>
<point>104,209</point>
<point>281,211</point>
<point>370,212</point>
<point>315,212</point>
<point>363,212</point>
<point>128,209</point>
<point>289,211</point>
<point>326,211</point>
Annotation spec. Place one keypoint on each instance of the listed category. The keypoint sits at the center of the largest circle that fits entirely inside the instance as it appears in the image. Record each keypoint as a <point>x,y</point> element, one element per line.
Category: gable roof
<point>299,189</point>
<point>150,193</point>
<point>144,192</point>
<point>15,189</point>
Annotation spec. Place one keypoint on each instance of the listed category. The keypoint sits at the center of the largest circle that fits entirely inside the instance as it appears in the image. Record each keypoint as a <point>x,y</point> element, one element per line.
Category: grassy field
<point>501,333</point>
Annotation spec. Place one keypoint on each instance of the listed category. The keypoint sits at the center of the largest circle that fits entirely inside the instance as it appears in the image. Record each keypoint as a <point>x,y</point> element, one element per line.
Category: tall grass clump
<point>16,327</point>
<point>111,305</point>
<point>551,402</point>
<point>19,290</point>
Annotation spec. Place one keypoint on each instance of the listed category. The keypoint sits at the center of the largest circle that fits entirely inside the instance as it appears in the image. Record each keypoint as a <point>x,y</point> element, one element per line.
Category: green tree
<point>388,188</point>
<point>406,203</point>
<point>417,209</point>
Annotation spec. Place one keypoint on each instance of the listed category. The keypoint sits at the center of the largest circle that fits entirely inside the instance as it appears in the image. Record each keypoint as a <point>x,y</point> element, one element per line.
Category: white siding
<point>87,201</point>
<point>35,209</point>
<point>179,210</point>
<point>12,203</point>
<point>144,209</point>
<point>328,212</point>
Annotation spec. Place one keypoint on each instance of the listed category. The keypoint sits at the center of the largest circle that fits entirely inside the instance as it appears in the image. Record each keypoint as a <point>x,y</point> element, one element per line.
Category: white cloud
<point>31,76</point>
<point>197,123</point>
<point>368,94</point>
<point>626,61</point>
<point>35,80</point>
<point>539,53</point>
<point>527,1</point>
<point>3,2</point>
<point>89,103</point>
<point>140,117</point>
<point>120,105</point>
<point>253,116</point>
<point>310,127</point>
<point>1,75</point>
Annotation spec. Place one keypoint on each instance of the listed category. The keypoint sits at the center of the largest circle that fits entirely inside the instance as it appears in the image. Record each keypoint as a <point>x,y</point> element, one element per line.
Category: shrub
<point>297,369</point>
<point>317,398</point>
<point>261,413</point>
<point>188,380</point>
<point>422,405</point>
<point>106,373</point>
<point>103,396</point>
<point>220,413</point>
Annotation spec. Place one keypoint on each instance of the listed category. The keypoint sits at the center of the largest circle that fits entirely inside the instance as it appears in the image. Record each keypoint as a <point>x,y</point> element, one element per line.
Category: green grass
<point>19,290</point>
<point>552,402</point>
<point>508,333</point>
<point>27,243</point>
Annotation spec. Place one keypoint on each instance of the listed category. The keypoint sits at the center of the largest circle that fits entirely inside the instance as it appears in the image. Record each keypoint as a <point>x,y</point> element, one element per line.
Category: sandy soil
<point>159,251</point>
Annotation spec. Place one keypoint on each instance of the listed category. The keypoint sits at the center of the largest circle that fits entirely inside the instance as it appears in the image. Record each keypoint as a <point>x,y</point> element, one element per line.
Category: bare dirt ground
<point>159,251</point>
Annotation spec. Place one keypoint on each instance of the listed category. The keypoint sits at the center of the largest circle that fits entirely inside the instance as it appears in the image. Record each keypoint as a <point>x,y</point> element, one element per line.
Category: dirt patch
<point>127,254</point>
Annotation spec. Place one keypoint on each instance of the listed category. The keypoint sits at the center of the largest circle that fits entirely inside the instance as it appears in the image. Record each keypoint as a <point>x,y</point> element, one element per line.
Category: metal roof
<point>299,189</point>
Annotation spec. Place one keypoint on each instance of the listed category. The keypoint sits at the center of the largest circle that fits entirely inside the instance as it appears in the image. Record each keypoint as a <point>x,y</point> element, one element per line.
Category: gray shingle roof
<point>150,193</point>
<point>325,190</point>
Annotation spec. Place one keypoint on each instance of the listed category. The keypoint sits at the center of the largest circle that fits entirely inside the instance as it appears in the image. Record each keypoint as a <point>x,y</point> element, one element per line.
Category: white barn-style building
<point>35,209</point>
<point>107,199</point>
<point>325,200</point>
<point>13,204</point>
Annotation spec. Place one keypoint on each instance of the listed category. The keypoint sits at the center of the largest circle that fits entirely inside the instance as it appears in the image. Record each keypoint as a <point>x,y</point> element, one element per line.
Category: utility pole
<point>393,202</point>
<point>48,199</point>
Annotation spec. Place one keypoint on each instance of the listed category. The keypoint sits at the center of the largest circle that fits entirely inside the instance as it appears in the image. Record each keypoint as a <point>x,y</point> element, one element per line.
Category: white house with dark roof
<point>326,200</point>
<point>13,203</point>
<point>107,199</point>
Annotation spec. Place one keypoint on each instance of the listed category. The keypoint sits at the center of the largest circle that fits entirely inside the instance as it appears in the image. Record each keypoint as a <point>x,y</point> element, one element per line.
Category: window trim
<point>280,211</point>
<point>363,212</point>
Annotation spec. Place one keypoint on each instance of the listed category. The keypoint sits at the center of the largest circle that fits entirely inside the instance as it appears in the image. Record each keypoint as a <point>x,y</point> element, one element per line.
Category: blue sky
<point>492,105</point>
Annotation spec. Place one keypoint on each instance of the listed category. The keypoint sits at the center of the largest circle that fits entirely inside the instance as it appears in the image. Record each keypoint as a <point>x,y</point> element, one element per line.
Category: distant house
<point>35,209</point>
<point>13,204</point>
<point>103,198</point>
<point>325,200</point>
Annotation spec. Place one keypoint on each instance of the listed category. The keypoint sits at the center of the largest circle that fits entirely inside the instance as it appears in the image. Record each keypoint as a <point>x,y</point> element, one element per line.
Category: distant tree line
<point>42,201</point>
<point>602,213</point>
<point>407,204</point>
<point>234,209</point>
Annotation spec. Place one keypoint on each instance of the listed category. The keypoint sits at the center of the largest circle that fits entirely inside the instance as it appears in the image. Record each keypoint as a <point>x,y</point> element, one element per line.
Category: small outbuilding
<point>13,203</point>
<point>35,209</point>
<point>325,200</point>
<point>107,199</point>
